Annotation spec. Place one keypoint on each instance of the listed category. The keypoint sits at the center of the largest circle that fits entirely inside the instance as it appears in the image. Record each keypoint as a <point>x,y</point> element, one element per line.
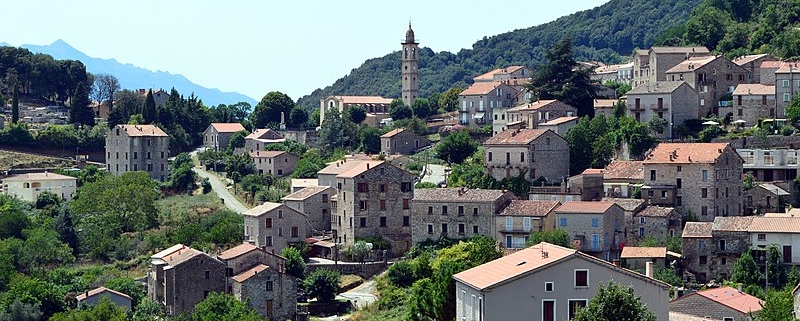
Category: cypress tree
<point>80,112</point>
<point>15,106</point>
<point>149,109</point>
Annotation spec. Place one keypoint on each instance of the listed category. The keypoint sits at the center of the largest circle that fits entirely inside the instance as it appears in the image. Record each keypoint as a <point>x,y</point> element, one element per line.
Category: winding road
<point>220,188</point>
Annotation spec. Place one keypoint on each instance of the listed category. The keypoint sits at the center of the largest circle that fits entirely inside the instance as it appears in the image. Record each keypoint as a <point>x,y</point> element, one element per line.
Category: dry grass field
<point>16,160</point>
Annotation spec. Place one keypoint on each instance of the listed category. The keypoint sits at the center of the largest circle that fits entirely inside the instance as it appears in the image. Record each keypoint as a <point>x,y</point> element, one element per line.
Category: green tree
<point>746,271</point>
<point>128,286</point>
<point>13,219</point>
<point>749,181</point>
<point>128,200</point>
<point>149,108</point>
<point>668,275</point>
<point>562,78</point>
<point>237,140</point>
<point>238,166</point>
<point>370,139</point>
<point>456,147</point>
<point>359,250</point>
<point>181,176</point>
<point>65,227</point>
<point>422,108</point>
<point>333,133</point>
<point>21,311</point>
<point>269,109</point>
<point>401,274</point>
<point>42,247</point>
<point>79,110</point>
<point>398,110</point>
<point>449,99</point>
<point>308,166</point>
<point>615,302</point>
<point>298,117</point>
<point>423,185</point>
<point>36,291</point>
<point>356,114</point>
<point>778,305</point>
<point>105,88</point>
<point>558,237</point>
<point>706,26</point>
<point>224,307</point>
<point>793,110</point>
<point>255,182</point>
<point>295,264</point>
<point>322,284</point>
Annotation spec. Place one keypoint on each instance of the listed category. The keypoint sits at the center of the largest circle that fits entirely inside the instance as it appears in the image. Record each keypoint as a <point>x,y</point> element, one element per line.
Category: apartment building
<point>532,153</point>
<point>138,148</point>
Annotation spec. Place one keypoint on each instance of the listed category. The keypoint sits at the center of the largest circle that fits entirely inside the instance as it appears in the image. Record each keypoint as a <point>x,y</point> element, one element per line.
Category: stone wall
<point>364,270</point>
<point>755,143</point>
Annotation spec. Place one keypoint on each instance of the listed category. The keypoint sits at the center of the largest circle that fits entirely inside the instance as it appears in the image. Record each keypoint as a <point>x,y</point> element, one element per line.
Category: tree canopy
<point>615,302</point>
<point>456,147</point>
<point>268,111</point>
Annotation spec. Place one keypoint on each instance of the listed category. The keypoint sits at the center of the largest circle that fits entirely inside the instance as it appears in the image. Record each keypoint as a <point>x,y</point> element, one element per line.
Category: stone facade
<point>657,222</point>
<point>275,226</point>
<point>787,84</point>
<point>711,249</point>
<point>652,65</point>
<point>260,138</point>
<point>673,101</point>
<point>704,179</point>
<point>711,77</point>
<point>587,186</point>
<point>218,135</point>
<point>401,141</point>
<point>769,165</point>
<point>521,218</point>
<point>271,293</point>
<point>533,153</point>
<point>530,115</point>
<point>765,198</point>
<point>410,64</point>
<point>481,101</point>
<point>138,148</point>
<point>455,212</point>
<point>752,102</point>
<point>716,304</point>
<point>275,163</point>
<point>596,228</point>
<point>180,277</point>
<point>374,199</point>
<point>314,202</point>
<point>752,63</point>
<point>377,107</point>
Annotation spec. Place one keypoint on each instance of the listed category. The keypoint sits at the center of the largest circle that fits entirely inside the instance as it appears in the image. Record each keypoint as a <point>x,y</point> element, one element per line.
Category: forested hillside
<point>739,27</point>
<point>606,33</point>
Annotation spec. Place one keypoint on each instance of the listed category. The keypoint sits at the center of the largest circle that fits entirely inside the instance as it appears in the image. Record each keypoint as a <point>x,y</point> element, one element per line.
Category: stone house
<point>532,153</point>
<point>695,239</point>
<point>636,258</point>
<point>769,165</point>
<point>401,141</point>
<point>560,125</point>
<point>621,178</point>
<point>711,249</point>
<point>180,277</point>
<point>538,112</point>
<point>631,206</point>
<point>723,303</point>
<point>93,296</point>
<point>673,101</point>
<point>586,186</point>
<point>605,107</point>
<point>455,212</point>
<point>275,163</point>
<point>654,221</point>
<point>597,228</point>
<point>300,183</point>
<point>652,65</point>
<point>137,148</point>
<point>275,226</point>
<point>505,73</point>
<point>314,202</point>
<point>701,179</point>
<point>377,107</point>
<point>547,282</point>
<point>711,77</point>
<point>622,73</point>
<point>752,63</point>
<point>260,138</point>
<point>374,199</point>
<point>752,102</point>
<point>481,101</point>
<point>515,223</point>
<point>218,135</point>
<point>787,84</point>
<point>29,186</point>
<point>765,198</point>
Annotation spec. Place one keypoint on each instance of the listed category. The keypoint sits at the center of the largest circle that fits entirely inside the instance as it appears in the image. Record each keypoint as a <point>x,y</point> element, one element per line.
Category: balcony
<point>634,107</point>
<point>659,107</point>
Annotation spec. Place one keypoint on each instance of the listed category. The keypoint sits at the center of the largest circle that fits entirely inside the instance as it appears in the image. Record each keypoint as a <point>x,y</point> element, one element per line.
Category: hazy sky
<point>257,46</point>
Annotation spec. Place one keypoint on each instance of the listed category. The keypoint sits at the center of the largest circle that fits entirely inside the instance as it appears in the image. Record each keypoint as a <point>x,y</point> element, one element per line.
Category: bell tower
<point>410,72</point>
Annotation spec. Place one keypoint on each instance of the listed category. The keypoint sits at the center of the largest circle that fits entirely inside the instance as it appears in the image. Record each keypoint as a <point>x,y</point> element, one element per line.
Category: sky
<point>257,46</point>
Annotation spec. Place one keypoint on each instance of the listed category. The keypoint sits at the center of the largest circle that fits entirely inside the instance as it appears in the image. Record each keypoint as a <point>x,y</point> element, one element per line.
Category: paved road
<point>434,174</point>
<point>221,189</point>
<point>362,295</point>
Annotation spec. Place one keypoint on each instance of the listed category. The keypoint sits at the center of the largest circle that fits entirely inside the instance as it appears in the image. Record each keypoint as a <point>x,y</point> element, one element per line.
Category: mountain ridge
<point>134,77</point>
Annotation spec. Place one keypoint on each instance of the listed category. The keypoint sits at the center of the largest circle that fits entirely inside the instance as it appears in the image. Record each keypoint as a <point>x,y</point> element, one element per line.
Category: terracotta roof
<point>143,130</point>
<point>697,229</point>
<point>97,291</point>
<point>515,137</point>
<point>658,87</point>
<point>340,166</point>
<point>166,252</point>
<point>306,193</point>
<point>264,133</point>
<point>266,153</point>
<point>529,208</point>
<point>360,168</point>
<point>731,298</point>
<point>627,204</point>
<point>677,316</point>
<point>561,120</point>
<point>679,49</point>
<point>655,211</point>
<point>227,127</point>
<point>480,88</point>
<point>789,67</point>
<point>774,225</point>
<point>633,252</point>
<point>686,153</point>
<point>304,182</point>
<point>490,75</point>
<point>181,256</point>
<point>585,207</point>
<point>262,209</point>
<point>241,277</point>
<point>41,176</point>
<point>592,171</point>
<point>743,60</point>
<point>605,103</point>
<point>612,68</point>
<point>625,170</point>
<point>771,64</point>
<point>364,100</point>
<point>237,251</point>
<point>732,223</point>
<point>530,260</point>
<point>754,89</point>
<point>774,189</point>
<point>392,133</point>
<point>691,64</point>
<point>456,195</point>
<point>536,105</point>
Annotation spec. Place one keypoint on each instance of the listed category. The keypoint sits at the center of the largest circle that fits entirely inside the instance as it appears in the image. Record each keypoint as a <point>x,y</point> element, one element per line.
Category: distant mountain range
<point>133,77</point>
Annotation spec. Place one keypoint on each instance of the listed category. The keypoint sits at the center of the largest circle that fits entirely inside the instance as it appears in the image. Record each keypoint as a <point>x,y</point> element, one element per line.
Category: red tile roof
<point>686,153</point>
<point>775,225</point>
<point>529,208</point>
<point>364,100</point>
<point>624,170</point>
<point>241,277</point>
<point>96,291</point>
<point>536,105</point>
<point>561,120</point>
<point>237,251</point>
<point>743,60</point>
<point>480,88</point>
<point>262,209</point>
<point>689,65</point>
<point>754,89</point>
<point>697,229</point>
<point>605,103</point>
<point>515,137</point>
<point>732,298</point>
<point>455,195</point>
<point>359,169</point>
<point>656,211</point>
<point>143,130</point>
<point>266,153</point>
<point>227,127</point>
<point>633,252</point>
<point>264,133</point>
<point>732,223</point>
<point>392,132</point>
<point>627,204</point>
<point>585,207</point>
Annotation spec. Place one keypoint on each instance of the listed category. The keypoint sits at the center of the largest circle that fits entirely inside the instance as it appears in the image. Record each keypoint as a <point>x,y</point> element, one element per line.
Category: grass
<point>178,208</point>
<point>349,279</point>
<point>15,160</point>
<point>372,314</point>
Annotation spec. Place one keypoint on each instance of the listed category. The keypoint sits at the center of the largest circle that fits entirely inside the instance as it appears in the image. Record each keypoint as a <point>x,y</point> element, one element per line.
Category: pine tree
<point>80,112</point>
<point>15,106</point>
<point>149,109</point>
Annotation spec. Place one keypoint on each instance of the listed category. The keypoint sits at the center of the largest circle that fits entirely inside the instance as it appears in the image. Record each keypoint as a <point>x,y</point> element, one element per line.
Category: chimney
<point>739,288</point>
<point>367,165</point>
<point>648,269</point>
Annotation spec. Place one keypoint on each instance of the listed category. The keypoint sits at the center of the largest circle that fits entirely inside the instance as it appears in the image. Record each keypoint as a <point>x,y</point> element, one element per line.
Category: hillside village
<point>674,175</point>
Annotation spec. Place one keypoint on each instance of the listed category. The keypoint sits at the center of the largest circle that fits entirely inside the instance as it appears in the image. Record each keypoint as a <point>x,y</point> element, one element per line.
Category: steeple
<point>410,72</point>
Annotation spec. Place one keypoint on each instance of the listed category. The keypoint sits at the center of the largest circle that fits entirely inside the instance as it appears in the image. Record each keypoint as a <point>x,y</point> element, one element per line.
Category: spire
<point>409,34</point>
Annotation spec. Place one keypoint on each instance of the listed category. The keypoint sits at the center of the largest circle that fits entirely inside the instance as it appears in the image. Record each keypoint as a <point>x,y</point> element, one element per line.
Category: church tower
<point>409,67</point>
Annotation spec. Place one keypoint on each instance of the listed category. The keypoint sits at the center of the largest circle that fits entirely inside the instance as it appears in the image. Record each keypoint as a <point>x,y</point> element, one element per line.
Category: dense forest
<point>40,75</point>
<point>740,27</point>
<point>606,33</point>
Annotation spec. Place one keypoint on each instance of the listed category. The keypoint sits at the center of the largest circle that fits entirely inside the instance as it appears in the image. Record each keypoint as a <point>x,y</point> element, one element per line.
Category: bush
<point>206,185</point>
<point>787,130</point>
<point>401,274</point>
<point>422,185</point>
<point>322,284</point>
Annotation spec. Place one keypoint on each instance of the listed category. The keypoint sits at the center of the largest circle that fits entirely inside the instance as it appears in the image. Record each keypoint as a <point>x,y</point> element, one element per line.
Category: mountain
<point>607,33</point>
<point>132,77</point>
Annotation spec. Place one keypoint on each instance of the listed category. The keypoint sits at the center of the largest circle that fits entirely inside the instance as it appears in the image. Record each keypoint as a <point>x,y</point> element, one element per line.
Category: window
<point>461,229</point>
<point>460,210</point>
<point>207,274</point>
<point>663,194</point>
<point>430,228</point>
<point>405,187</point>
<point>652,174</point>
<point>135,155</point>
<point>704,192</point>
<point>406,220</point>
<point>581,278</point>
<point>383,205</point>
<point>444,228</point>
<point>678,183</point>
<point>382,187</point>
<point>280,213</point>
<point>595,222</point>
<point>268,241</point>
<point>703,210</point>
<point>474,229</point>
<point>444,209</point>
<point>721,245</point>
<point>430,210</point>
<point>549,287</point>
<point>762,237</point>
<point>295,231</point>
<point>723,261</point>
<point>679,168</point>
<point>562,221</point>
<point>362,205</point>
<point>641,231</point>
<point>362,222</point>
<point>703,260</point>
<point>705,175</point>
<point>280,231</point>
<point>701,245</point>
<point>574,307</point>
<point>405,204</point>
<point>269,286</point>
<point>522,157</point>
<point>785,84</point>
<point>268,222</point>
<point>526,224</point>
<point>324,198</point>
<point>383,221</point>
<point>786,97</point>
<point>489,156</point>
<point>363,188</point>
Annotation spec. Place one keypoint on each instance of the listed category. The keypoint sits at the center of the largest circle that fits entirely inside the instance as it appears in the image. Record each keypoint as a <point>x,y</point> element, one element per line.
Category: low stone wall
<point>755,142</point>
<point>364,270</point>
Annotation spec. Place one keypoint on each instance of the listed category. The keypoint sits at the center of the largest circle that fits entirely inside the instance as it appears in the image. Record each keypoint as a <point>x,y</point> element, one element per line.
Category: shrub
<point>401,274</point>
<point>322,284</point>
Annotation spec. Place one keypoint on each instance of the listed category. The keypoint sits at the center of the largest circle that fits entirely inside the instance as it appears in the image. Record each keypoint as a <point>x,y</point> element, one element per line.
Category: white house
<point>28,186</point>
